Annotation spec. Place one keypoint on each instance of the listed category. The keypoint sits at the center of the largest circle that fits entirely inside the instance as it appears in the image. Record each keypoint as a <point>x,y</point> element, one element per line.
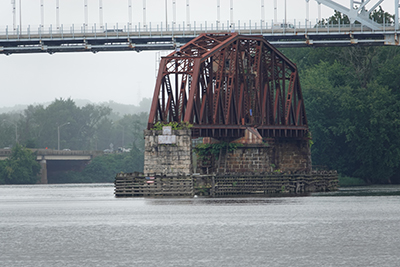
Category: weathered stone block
<point>168,158</point>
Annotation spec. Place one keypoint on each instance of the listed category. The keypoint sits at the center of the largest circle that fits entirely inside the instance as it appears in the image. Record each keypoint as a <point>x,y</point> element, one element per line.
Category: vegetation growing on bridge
<point>206,151</point>
<point>174,125</point>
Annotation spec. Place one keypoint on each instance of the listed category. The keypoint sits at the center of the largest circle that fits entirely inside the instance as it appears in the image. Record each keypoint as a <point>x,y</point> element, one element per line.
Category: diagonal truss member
<point>225,83</point>
<point>358,11</point>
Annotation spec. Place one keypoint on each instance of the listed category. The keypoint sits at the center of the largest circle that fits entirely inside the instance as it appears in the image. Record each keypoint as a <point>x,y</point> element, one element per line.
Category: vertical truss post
<point>396,17</point>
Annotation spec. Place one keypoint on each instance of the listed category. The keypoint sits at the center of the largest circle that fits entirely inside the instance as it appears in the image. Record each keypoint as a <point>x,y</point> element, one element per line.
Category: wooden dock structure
<point>139,185</point>
<point>224,185</point>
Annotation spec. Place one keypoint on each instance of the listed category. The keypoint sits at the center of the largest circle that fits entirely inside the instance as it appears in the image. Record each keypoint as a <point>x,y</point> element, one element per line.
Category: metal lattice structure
<point>224,83</point>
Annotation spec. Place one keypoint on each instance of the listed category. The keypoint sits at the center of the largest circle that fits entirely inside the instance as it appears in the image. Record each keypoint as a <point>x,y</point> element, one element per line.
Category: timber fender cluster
<point>224,185</point>
<point>139,185</point>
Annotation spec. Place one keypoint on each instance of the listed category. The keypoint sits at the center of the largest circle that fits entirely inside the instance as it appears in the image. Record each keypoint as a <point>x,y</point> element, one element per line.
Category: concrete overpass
<point>50,156</point>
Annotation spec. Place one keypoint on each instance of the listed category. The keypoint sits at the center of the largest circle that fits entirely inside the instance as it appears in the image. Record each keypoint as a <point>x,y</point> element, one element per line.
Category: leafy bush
<point>20,168</point>
<point>206,150</point>
<point>158,126</point>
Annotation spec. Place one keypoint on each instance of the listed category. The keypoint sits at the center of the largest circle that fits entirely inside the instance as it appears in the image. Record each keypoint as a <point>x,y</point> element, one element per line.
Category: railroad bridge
<point>231,88</point>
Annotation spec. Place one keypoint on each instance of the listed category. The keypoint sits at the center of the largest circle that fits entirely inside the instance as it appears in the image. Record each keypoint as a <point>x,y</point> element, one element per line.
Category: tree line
<point>91,127</point>
<point>64,124</point>
<point>352,99</point>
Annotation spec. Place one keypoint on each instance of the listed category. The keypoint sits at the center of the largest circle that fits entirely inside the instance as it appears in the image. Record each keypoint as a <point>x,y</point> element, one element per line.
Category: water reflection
<point>222,201</point>
<point>374,190</point>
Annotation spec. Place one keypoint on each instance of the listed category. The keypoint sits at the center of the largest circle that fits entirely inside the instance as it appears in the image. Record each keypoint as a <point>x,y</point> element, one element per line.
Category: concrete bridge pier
<point>43,172</point>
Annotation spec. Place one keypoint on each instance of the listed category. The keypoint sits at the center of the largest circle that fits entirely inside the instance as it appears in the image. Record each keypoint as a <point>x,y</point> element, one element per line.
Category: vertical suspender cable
<point>166,15</point>
<point>144,13</point>
<point>174,11</point>
<point>285,16</point>
<point>396,16</point>
<point>42,14</point>
<point>14,15</point>
<point>130,12</point>
<point>86,13</point>
<point>58,14</point>
<point>319,12</point>
<point>187,13</point>
<point>231,15</point>
<point>20,18</point>
<point>218,12</point>
<point>262,12</point>
<point>101,14</point>
<point>307,12</point>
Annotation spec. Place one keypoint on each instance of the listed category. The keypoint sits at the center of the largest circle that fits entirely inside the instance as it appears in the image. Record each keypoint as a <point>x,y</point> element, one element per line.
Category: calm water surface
<point>84,225</point>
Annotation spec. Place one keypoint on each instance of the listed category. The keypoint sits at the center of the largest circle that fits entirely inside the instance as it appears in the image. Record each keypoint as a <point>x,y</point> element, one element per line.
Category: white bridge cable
<point>58,14</point>
<point>356,11</point>
<point>86,13</point>
<point>101,14</point>
<point>144,13</point>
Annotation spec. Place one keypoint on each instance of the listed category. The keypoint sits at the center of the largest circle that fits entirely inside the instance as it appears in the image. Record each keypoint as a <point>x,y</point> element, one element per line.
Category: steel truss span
<point>224,83</point>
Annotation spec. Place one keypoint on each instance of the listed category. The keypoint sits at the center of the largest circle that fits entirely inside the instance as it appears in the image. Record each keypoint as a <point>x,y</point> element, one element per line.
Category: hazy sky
<point>123,77</point>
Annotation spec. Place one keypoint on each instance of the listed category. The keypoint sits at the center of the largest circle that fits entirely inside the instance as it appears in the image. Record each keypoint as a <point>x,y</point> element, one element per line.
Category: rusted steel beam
<point>223,83</point>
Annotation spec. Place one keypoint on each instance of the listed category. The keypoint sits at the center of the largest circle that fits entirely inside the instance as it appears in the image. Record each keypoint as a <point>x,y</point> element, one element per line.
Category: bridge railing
<point>8,152</point>
<point>245,27</point>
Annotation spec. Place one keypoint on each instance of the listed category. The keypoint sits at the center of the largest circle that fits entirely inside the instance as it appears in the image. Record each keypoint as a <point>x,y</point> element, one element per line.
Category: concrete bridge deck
<point>159,39</point>
<point>52,154</point>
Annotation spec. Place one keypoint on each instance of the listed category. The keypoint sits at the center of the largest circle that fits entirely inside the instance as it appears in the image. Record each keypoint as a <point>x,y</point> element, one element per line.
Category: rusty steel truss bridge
<point>226,83</point>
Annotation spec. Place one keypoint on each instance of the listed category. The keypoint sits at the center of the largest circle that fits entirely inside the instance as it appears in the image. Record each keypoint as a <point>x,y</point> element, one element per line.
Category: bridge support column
<point>43,172</point>
<point>168,152</point>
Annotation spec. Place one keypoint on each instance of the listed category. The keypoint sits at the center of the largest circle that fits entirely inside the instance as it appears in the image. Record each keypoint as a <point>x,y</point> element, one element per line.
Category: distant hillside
<point>120,109</point>
<point>123,109</point>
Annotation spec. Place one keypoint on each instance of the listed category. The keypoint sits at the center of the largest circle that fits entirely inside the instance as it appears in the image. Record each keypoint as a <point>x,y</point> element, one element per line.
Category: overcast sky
<point>123,77</point>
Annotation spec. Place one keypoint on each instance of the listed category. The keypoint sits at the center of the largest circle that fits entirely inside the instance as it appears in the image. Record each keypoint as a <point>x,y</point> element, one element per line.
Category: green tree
<point>40,125</point>
<point>381,16</point>
<point>20,168</point>
<point>355,130</point>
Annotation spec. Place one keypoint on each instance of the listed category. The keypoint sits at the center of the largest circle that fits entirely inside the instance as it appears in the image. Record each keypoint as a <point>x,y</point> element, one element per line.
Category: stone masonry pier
<point>254,168</point>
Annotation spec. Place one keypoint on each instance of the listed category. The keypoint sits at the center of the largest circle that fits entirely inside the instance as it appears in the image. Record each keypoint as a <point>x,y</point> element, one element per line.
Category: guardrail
<point>183,29</point>
<point>7,152</point>
<point>139,38</point>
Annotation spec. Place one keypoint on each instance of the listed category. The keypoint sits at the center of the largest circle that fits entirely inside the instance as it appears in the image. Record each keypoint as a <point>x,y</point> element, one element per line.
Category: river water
<point>84,225</point>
